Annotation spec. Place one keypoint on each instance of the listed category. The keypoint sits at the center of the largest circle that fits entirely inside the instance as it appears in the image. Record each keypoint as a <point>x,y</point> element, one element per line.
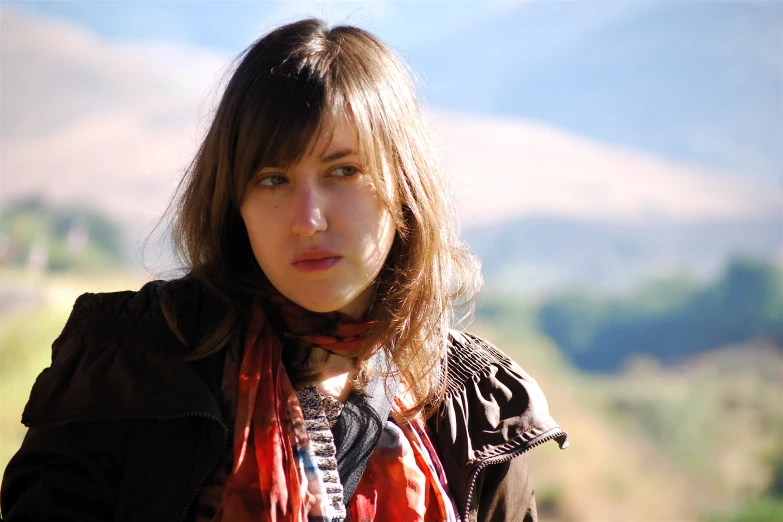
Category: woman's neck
<point>336,378</point>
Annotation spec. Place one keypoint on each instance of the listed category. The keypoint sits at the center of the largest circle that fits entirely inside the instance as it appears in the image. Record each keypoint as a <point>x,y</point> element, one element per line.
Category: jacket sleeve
<point>505,494</point>
<point>65,473</point>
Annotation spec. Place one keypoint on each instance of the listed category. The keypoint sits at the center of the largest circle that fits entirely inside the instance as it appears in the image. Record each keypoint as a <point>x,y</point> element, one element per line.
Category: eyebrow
<point>338,154</point>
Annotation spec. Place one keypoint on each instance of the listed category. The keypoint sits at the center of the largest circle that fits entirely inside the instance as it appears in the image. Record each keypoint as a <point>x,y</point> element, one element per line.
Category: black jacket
<point>122,429</point>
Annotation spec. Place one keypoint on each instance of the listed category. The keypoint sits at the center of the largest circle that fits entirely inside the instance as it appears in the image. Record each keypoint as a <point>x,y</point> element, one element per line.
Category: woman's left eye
<point>272,180</point>
<point>345,172</point>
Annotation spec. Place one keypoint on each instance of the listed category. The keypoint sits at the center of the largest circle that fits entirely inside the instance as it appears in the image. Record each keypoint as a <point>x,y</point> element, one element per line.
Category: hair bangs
<point>277,127</point>
<point>367,118</point>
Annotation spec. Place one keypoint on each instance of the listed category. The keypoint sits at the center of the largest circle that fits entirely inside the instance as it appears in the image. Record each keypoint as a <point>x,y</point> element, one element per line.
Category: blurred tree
<point>670,324</point>
<point>45,237</point>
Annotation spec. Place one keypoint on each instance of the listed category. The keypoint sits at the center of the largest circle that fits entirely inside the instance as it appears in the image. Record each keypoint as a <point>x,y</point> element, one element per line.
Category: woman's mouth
<point>317,265</point>
<point>316,260</point>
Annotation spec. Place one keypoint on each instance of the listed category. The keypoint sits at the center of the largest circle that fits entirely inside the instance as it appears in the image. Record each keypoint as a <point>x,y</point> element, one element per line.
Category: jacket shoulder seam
<point>470,356</point>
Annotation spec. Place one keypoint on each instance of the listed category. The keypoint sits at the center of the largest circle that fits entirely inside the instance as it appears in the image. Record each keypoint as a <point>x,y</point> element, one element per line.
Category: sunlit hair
<point>287,84</point>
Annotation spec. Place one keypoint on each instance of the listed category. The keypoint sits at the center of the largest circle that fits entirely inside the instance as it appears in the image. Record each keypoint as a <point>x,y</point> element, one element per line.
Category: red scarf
<point>275,477</point>
<point>404,480</point>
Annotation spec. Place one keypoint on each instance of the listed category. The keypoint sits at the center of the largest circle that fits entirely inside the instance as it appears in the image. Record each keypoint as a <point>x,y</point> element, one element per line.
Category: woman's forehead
<point>336,135</point>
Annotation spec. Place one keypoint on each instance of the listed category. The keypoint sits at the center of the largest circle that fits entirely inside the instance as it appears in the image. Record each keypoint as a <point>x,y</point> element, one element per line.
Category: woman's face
<point>317,228</point>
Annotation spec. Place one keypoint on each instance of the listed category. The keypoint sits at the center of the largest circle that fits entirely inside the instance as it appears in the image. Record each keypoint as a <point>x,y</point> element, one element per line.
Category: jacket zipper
<point>202,415</point>
<point>212,467</point>
<point>503,458</point>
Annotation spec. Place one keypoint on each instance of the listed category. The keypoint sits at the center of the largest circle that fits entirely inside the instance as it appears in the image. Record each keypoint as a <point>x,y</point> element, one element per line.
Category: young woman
<point>304,368</point>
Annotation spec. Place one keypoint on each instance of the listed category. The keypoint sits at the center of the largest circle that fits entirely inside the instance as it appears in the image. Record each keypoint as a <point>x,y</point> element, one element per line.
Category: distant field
<point>609,472</point>
<point>697,441</point>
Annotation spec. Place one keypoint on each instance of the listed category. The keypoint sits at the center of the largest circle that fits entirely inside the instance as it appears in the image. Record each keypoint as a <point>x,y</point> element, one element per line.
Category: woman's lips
<point>317,265</point>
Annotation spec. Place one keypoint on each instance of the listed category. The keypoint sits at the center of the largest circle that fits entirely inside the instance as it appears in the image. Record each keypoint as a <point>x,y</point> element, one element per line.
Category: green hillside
<point>668,320</point>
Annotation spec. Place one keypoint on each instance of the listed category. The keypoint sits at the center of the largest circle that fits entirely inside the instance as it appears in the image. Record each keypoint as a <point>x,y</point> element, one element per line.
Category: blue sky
<point>694,81</point>
<point>231,25</point>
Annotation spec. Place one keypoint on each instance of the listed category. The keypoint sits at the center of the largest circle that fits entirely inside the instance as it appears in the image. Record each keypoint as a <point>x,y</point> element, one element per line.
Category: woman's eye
<point>272,180</point>
<point>344,172</point>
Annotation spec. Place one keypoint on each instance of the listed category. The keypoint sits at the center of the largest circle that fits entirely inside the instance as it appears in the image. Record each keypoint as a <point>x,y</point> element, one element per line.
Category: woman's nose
<point>309,217</point>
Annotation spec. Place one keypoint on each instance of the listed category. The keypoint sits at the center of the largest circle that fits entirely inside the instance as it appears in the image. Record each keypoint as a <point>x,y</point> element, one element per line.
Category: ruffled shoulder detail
<point>492,410</point>
<point>116,357</point>
<point>490,400</point>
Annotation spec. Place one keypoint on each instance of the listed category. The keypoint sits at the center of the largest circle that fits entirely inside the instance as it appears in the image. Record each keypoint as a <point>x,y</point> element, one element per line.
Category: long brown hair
<point>284,86</point>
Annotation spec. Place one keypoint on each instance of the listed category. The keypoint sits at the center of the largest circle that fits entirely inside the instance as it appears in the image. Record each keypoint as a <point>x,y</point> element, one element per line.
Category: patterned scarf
<point>275,476</point>
<point>404,480</point>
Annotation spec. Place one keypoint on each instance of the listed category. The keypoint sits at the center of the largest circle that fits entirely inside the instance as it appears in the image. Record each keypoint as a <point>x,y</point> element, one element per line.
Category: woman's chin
<point>354,305</point>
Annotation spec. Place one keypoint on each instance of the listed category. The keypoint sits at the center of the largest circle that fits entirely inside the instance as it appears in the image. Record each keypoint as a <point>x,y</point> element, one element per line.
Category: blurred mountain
<point>543,206</point>
<point>539,254</point>
<point>691,81</point>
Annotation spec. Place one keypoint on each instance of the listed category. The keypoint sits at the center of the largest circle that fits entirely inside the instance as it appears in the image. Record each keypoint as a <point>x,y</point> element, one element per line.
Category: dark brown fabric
<point>504,489</point>
<point>124,430</point>
<point>123,471</point>
<point>121,428</point>
<point>40,482</point>
<point>492,410</point>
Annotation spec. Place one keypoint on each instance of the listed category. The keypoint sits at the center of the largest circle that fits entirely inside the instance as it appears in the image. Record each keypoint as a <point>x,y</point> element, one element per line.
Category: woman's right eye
<point>272,180</point>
